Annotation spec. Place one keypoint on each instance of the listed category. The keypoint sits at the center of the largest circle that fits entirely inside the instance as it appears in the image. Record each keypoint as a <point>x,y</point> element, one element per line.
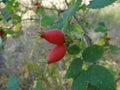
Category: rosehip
<point>54,36</point>
<point>37,4</point>
<point>56,53</point>
<point>108,38</point>
<point>1,33</point>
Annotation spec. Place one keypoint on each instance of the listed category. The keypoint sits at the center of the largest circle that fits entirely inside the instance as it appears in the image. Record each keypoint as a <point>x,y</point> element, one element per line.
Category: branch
<point>67,3</point>
<point>30,8</point>
<point>30,19</point>
<point>87,39</point>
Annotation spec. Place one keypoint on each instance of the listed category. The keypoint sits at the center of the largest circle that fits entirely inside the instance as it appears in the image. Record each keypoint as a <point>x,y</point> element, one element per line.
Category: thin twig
<point>86,37</point>
<point>35,19</point>
<point>31,8</point>
<point>67,3</point>
<point>61,67</point>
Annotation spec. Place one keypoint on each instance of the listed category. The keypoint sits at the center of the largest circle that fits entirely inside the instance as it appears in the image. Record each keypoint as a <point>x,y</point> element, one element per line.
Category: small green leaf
<point>101,77</point>
<point>9,31</point>
<point>114,49</point>
<point>74,68</point>
<point>59,24</point>
<point>16,19</point>
<point>82,44</point>
<point>81,82</point>
<point>48,19</point>
<point>66,14</point>
<point>6,15</point>
<point>101,28</point>
<point>93,53</point>
<point>94,4</point>
<point>71,11</point>
<point>16,4</point>
<point>73,49</point>
<point>1,16</point>
<point>78,28</point>
<point>4,1</point>
<point>13,83</point>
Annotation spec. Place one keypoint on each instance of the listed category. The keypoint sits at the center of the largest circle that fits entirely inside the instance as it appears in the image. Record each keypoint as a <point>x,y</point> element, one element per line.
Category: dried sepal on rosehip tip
<point>40,34</point>
<point>56,53</point>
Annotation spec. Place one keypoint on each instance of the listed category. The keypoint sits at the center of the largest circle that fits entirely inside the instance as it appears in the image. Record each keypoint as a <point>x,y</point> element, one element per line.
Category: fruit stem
<point>41,34</point>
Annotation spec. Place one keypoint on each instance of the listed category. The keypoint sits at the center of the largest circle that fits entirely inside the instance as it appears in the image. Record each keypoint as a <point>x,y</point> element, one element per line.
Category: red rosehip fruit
<point>56,53</point>
<point>108,38</point>
<point>37,4</point>
<point>54,36</point>
<point>1,33</point>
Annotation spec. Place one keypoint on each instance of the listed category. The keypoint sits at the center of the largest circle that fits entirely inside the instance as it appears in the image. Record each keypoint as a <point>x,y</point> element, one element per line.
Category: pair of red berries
<point>56,37</point>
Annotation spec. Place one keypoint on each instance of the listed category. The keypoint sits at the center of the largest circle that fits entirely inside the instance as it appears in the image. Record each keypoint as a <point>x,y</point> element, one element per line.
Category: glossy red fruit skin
<point>56,53</point>
<point>54,36</point>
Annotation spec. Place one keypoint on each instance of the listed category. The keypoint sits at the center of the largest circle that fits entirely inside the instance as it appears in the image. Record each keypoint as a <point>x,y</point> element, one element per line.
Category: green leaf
<point>59,24</point>
<point>67,13</point>
<point>16,4</point>
<point>13,83</point>
<point>74,68</point>
<point>1,16</point>
<point>6,15</point>
<point>101,77</point>
<point>93,53</point>
<point>78,28</point>
<point>11,2</point>
<point>101,28</point>
<point>16,19</point>
<point>73,49</point>
<point>82,44</point>
<point>9,31</point>
<point>48,19</point>
<point>114,49</point>
<point>94,4</point>
<point>17,27</point>
<point>81,82</point>
<point>71,11</point>
<point>4,1</point>
<point>91,87</point>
